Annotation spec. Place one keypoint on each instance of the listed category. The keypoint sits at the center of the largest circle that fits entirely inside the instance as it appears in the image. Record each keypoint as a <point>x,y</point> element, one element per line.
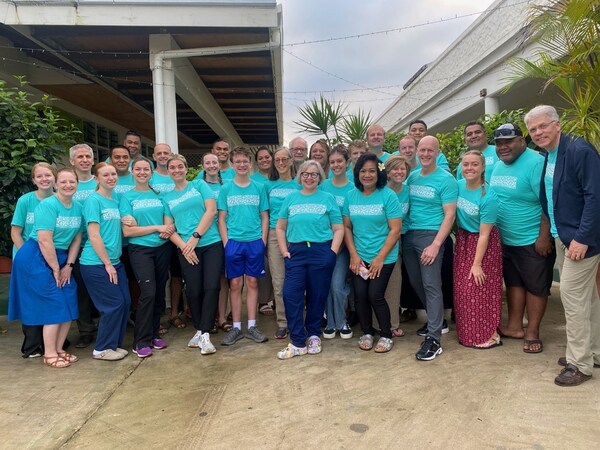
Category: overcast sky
<point>388,59</point>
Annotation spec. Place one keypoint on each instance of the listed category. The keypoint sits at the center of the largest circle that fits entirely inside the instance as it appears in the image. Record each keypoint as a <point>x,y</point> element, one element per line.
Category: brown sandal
<point>397,332</point>
<point>56,362</point>
<point>177,322</point>
<point>68,357</point>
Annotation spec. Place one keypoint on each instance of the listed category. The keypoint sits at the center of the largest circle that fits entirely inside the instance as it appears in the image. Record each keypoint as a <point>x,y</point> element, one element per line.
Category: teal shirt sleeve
<point>45,217</point>
<point>91,211</point>
<point>125,206</point>
<point>449,191</point>
<point>264,200</point>
<point>392,205</point>
<point>222,200</point>
<point>20,216</point>
<point>335,215</point>
<point>535,180</point>
<point>489,207</point>
<point>459,175</point>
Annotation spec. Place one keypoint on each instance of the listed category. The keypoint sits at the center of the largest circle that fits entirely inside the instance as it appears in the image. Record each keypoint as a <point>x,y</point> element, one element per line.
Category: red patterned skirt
<point>478,309</point>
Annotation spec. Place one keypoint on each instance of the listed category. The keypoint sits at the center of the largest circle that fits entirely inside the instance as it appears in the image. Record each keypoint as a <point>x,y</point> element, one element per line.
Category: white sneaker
<point>195,340</point>
<point>206,347</point>
<point>109,355</point>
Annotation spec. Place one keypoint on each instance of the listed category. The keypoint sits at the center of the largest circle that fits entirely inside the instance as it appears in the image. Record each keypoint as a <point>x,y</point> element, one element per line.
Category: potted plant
<point>30,132</point>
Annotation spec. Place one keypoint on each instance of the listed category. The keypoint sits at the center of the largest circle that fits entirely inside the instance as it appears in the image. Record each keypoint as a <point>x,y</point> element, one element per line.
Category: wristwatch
<point>71,264</point>
<point>196,235</point>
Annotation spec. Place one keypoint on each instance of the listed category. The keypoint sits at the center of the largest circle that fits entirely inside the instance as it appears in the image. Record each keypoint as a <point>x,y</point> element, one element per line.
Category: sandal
<point>265,309</point>
<point>68,357</point>
<point>56,362</point>
<point>162,331</point>
<point>365,342</point>
<point>226,327</point>
<point>533,346</point>
<point>397,332</point>
<point>384,345</point>
<point>492,342</point>
<point>177,322</point>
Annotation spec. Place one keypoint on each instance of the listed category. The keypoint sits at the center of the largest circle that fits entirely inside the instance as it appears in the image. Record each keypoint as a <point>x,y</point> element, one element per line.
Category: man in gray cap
<point>527,248</point>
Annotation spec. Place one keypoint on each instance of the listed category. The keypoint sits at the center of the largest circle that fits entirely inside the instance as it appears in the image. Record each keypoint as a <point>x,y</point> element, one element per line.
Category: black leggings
<point>370,297</point>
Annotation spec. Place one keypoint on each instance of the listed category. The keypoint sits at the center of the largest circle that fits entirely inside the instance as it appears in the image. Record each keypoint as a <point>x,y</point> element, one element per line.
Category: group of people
<point>321,231</point>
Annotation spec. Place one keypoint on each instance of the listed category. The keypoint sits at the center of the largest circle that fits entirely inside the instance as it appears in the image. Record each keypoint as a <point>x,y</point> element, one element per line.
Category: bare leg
<point>63,331</point>
<point>176,288</point>
<point>235,290</point>
<point>536,307</point>
<point>516,309</point>
<point>50,334</point>
<point>251,297</point>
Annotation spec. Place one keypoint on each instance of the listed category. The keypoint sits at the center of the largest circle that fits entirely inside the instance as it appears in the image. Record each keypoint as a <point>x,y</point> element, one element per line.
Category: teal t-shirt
<point>147,209</point>
<point>441,162</point>
<point>25,215</point>
<point>277,191</point>
<point>369,215</point>
<point>65,223</point>
<point>428,195</point>
<point>187,207</point>
<point>84,190</point>
<point>548,185</point>
<point>226,175</point>
<point>243,206</point>
<point>338,192</point>
<point>162,183</point>
<point>472,208</point>
<point>404,199</point>
<point>105,212</point>
<point>259,178</point>
<point>124,184</point>
<point>491,158</point>
<point>310,217</point>
<point>384,157</point>
<point>518,189</point>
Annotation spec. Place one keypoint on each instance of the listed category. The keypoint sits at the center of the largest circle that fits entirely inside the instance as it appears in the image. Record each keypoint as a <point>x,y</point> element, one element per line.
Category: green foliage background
<point>30,132</point>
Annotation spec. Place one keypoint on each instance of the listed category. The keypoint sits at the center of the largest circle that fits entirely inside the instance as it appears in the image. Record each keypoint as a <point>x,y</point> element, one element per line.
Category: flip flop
<point>507,336</point>
<point>497,343</point>
<point>265,309</point>
<point>528,343</point>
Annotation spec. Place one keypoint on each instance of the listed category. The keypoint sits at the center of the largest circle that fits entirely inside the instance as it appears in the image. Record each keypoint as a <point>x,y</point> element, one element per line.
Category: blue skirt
<point>33,296</point>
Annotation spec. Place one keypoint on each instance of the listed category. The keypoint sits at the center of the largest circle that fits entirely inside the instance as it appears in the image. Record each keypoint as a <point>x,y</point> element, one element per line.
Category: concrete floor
<point>242,396</point>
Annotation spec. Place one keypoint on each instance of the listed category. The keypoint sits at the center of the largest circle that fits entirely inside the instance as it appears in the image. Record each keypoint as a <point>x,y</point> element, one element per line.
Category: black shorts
<point>175,267</point>
<point>524,267</point>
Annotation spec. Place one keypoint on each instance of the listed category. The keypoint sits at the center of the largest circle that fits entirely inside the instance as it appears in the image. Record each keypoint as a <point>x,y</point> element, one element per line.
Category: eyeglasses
<point>541,127</point>
<point>298,149</point>
<point>239,163</point>
<point>307,175</point>
<point>281,160</point>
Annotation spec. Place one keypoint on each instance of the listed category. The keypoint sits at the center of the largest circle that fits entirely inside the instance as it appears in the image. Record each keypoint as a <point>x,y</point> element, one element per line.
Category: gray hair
<point>76,147</point>
<point>542,110</point>
<point>298,138</point>
<point>305,165</point>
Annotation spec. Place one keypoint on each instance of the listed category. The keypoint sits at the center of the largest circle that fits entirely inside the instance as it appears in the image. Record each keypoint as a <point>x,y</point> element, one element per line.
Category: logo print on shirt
<point>468,207</point>
<point>307,208</point>
<point>366,210</point>
<point>68,222</point>
<point>504,181</point>
<point>30,218</point>
<point>189,194</point>
<point>422,191</point>
<point>110,214</point>
<point>146,203</point>
<point>243,200</point>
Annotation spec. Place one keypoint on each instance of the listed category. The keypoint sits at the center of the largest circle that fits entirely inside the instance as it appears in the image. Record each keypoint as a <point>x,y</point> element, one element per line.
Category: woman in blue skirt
<point>43,176</point>
<point>48,257</point>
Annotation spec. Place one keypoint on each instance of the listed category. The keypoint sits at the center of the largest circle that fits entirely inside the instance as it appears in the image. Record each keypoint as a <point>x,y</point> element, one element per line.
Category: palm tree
<point>322,118</point>
<point>568,34</point>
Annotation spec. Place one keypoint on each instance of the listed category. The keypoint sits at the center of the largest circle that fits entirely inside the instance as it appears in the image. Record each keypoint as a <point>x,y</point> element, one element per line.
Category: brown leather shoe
<point>562,361</point>
<point>571,376</point>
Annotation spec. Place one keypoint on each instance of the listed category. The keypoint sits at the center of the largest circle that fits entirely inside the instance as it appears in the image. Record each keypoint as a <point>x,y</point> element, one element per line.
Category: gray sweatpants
<point>425,280</point>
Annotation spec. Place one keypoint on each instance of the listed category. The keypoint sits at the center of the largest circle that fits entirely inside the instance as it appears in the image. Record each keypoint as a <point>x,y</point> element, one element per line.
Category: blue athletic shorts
<point>244,258</point>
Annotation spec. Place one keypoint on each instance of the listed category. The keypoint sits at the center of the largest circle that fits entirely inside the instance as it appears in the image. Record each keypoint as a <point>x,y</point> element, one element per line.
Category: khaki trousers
<point>277,268</point>
<point>582,308</point>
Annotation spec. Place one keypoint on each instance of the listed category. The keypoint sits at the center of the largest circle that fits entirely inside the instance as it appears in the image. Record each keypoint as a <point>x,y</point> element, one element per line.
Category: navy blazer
<point>576,193</point>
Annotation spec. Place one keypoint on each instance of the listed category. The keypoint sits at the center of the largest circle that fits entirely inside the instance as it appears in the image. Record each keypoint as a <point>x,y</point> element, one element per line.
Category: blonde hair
<point>44,165</point>
<point>482,159</point>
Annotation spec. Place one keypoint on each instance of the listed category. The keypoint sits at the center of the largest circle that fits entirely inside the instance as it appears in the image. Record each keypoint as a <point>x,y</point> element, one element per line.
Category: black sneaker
<point>424,331</point>
<point>430,348</point>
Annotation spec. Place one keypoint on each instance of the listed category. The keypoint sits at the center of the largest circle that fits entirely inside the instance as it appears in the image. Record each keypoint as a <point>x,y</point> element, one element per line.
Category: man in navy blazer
<point>570,195</point>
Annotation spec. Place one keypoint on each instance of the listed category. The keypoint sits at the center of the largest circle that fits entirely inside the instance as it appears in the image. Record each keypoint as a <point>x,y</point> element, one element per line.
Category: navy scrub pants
<point>112,301</point>
<point>308,269</point>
